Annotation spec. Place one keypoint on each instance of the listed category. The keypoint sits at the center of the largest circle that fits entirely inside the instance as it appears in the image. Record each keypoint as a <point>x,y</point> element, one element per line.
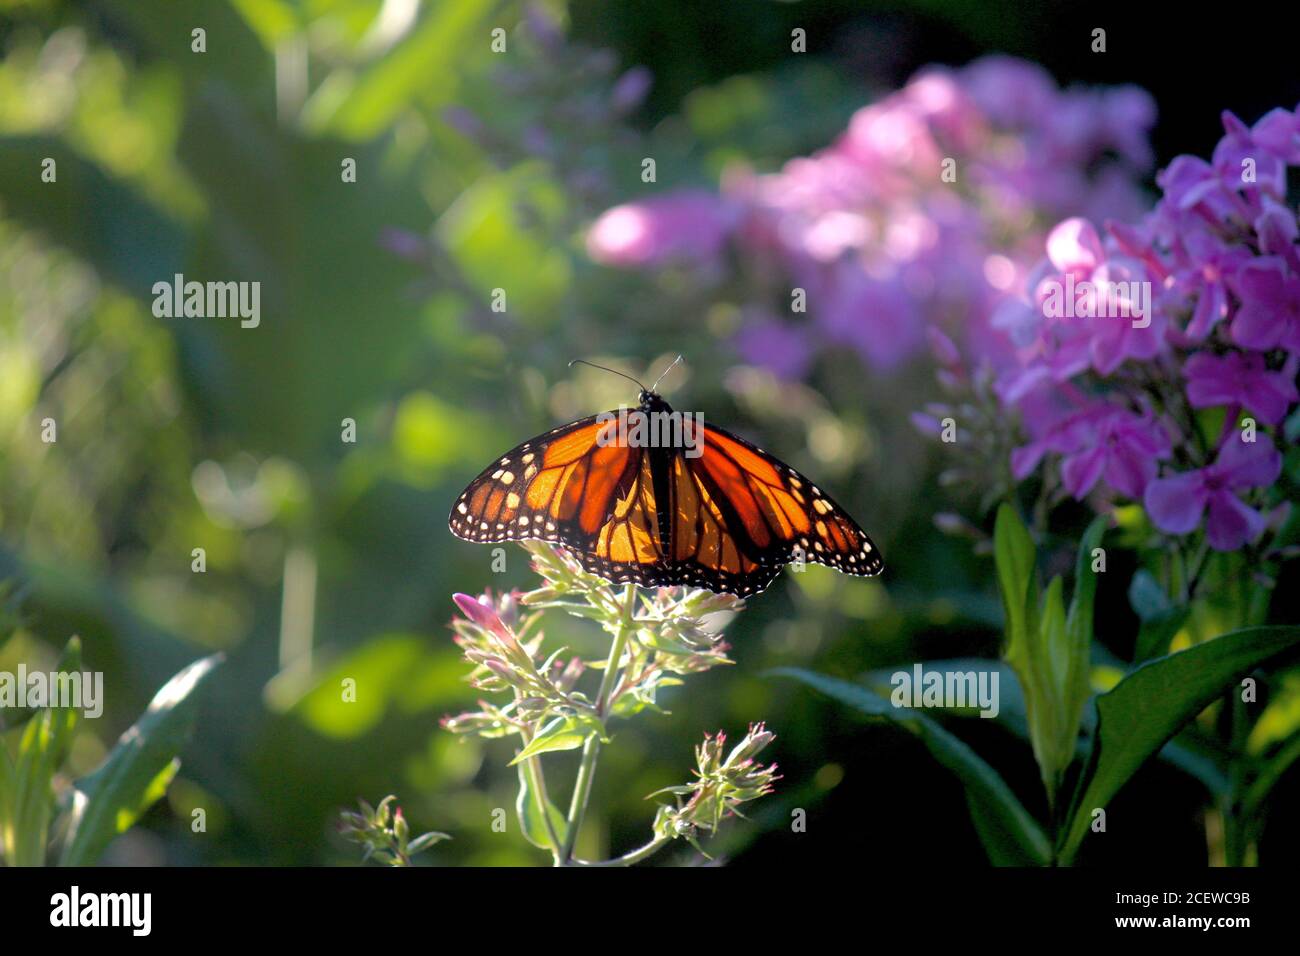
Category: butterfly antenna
<point>676,362</point>
<point>604,369</point>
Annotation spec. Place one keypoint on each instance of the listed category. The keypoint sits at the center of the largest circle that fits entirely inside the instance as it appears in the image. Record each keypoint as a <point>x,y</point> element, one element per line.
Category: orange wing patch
<point>735,487</point>
<point>542,489</point>
<point>572,485</point>
<point>780,511</point>
<point>572,446</point>
<point>556,487</point>
<point>753,464</point>
<point>699,530</point>
<point>606,470</point>
<point>631,533</point>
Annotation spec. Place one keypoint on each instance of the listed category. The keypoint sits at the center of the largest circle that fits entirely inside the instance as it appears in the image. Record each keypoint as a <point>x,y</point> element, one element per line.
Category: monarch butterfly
<point>710,510</point>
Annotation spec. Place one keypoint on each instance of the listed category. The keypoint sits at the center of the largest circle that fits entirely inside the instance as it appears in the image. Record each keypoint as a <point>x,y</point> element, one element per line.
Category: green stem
<point>628,859</point>
<point>298,606</point>
<point>1234,836</point>
<point>297,623</point>
<point>591,749</point>
<point>533,767</point>
<point>1194,577</point>
<point>1253,801</point>
<point>1236,823</point>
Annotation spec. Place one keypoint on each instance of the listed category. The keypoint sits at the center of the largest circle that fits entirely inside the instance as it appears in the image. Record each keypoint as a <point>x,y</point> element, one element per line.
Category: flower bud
<point>630,90</point>
<point>501,669</point>
<point>477,611</point>
<point>757,738</point>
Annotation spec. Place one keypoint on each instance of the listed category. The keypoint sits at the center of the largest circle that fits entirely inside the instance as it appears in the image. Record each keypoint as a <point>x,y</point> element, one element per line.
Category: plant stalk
<point>1236,825</point>
<point>591,749</point>
<point>533,767</point>
<point>628,859</point>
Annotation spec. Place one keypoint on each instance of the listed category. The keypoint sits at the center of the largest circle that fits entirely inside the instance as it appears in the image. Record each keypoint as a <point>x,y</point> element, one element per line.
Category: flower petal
<point>1248,464</point>
<point>1231,522</point>
<point>1176,503</point>
<point>1075,245</point>
<point>1080,472</point>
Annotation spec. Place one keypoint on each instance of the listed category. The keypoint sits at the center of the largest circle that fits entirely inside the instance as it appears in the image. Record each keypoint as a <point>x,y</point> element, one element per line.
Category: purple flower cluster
<point>567,107</point>
<point>927,210</point>
<point>1121,345</point>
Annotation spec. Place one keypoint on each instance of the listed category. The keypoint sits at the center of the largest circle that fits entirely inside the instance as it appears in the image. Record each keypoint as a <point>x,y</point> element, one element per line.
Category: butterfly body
<point>707,509</point>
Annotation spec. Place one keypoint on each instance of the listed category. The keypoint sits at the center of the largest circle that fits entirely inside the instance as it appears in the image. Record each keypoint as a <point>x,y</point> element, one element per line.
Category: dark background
<point>1193,63</point>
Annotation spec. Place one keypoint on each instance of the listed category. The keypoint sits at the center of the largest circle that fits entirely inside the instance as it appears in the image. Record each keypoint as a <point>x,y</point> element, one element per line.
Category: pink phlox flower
<point>1246,165</point>
<point>1269,316</point>
<point>782,347</point>
<point>1116,445</point>
<point>1091,335</point>
<point>686,226</point>
<point>1195,196</point>
<point>1104,442</point>
<point>1278,131</point>
<point>1241,378</point>
<point>1178,503</point>
<point>1206,268</point>
<point>1277,230</point>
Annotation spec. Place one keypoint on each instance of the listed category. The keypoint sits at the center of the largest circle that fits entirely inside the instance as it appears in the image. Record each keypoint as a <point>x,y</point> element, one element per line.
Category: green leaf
<point>1013,552</point>
<point>25,844</point>
<point>1079,623</point>
<point>43,746</point>
<point>1270,772</point>
<point>63,720</point>
<point>1155,634</point>
<point>631,703</point>
<point>426,840</point>
<point>272,20</point>
<point>1146,709</point>
<point>1009,833</point>
<point>1031,645</point>
<point>1012,714</point>
<point>394,81</point>
<point>1052,733</point>
<point>8,798</point>
<point>493,244</point>
<point>128,814</point>
<point>1052,634</point>
<point>563,733</point>
<point>129,239</point>
<point>138,768</point>
<point>1161,618</point>
<point>1280,720</point>
<point>664,639</point>
<point>1048,648</point>
<point>528,805</point>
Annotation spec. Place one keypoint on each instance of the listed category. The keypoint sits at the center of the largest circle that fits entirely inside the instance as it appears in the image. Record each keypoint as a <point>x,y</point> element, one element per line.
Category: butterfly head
<point>652,402</point>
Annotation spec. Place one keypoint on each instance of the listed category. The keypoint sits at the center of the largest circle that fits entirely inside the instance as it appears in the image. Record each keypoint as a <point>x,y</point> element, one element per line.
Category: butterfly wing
<point>595,499</point>
<point>556,487</point>
<point>734,514</point>
<point>739,515</point>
